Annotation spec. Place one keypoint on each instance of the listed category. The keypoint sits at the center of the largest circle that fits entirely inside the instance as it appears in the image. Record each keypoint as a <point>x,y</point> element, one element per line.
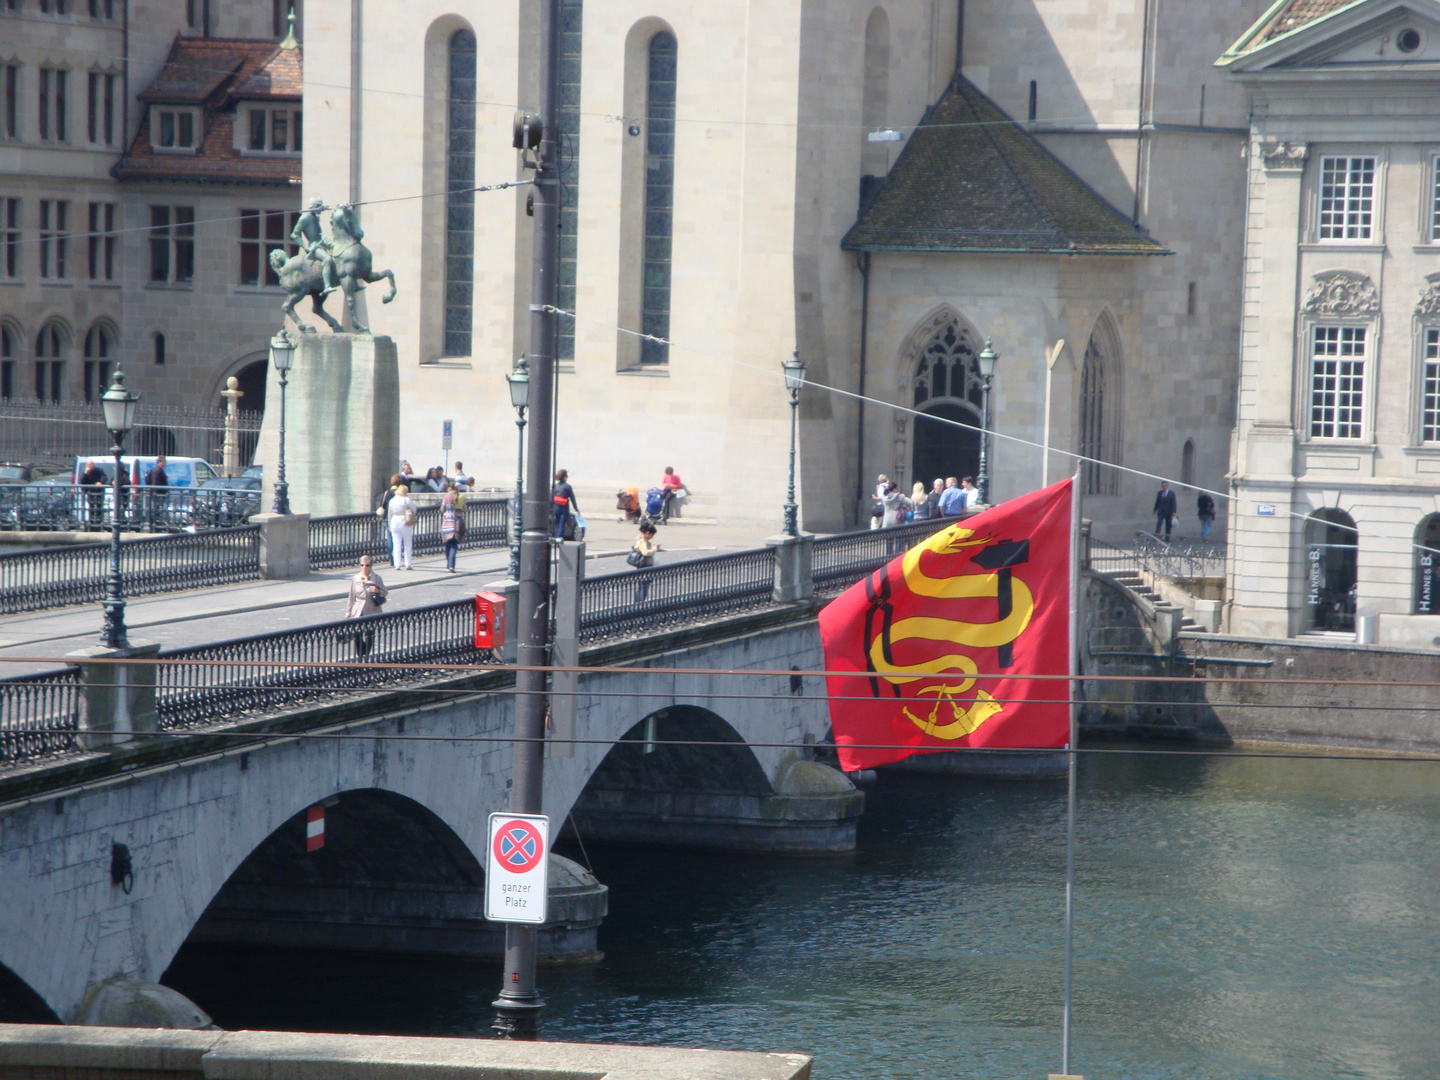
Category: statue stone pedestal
<point>342,424</point>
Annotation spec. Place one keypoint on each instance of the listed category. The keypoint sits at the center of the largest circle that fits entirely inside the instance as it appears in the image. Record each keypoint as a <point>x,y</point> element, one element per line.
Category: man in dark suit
<point>1165,509</point>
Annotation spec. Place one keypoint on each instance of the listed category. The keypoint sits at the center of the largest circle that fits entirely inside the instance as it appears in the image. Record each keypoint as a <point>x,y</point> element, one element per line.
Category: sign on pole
<point>516,865</point>
<point>446,442</point>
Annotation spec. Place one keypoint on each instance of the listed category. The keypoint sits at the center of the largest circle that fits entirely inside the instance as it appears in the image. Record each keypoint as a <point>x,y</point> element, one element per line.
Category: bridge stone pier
<point>110,861</point>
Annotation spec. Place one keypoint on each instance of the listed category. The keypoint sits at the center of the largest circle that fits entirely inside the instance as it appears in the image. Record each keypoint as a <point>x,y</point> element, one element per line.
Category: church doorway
<point>942,449</point>
<point>1330,552</point>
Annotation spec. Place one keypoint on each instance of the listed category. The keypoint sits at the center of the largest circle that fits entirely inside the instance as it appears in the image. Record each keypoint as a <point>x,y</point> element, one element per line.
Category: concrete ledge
<point>138,1054</point>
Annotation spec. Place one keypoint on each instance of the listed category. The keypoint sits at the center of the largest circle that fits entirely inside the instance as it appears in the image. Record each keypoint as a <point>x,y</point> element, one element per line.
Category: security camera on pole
<point>537,138</point>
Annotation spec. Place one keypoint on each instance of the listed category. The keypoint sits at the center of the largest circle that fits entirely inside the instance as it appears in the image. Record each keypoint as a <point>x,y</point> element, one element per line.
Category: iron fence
<point>46,506</point>
<point>39,714</point>
<point>340,541</point>
<point>622,604</point>
<point>843,559</point>
<point>1106,558</point>
<point>190,690</point>
<point>1180,560</point>
<point>32,580</point>
<point>47,432</point>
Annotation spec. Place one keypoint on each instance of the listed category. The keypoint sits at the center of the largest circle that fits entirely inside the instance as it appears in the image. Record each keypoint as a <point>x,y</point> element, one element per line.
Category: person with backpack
<point>642,556</point>
<point>1205,507</point>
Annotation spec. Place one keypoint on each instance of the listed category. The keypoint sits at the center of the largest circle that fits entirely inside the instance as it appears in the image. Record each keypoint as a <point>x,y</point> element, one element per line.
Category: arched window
<point>460,199</point>
<point>1427,566</point>
<point>1099,410</point>
<point>50,346</point>
<point>8,348</point>
<point>875,102</point>
<point>99,344</point>
<point>946,387</point>
<point>571,20</point>
<point>158,340</point>
<point>659,196</point>
<point>1330,550</point>
<point>1187,462</point>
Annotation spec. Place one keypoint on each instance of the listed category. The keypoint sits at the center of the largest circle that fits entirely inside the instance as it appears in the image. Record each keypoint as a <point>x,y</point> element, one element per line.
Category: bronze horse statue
<point>302,276</point>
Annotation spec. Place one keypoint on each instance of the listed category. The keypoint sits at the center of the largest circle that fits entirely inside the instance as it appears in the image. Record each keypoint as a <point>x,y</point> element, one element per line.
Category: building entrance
<point>1330,569</point>
<point>942,449</point>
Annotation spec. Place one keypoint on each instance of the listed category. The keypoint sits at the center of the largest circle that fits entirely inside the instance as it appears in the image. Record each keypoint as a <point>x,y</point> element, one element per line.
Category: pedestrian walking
<point>452,523</point>
<point>1205,508</point>
<point>1165,509</point>
<point>157,483</point>
<point>367,594</point>
<point>401,512</point>
<point>642,556</point>
<point>562,498</point>
<point>93,480</point>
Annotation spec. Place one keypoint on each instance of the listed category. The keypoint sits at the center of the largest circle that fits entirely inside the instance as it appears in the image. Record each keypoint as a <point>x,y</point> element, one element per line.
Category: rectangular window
<point>10,237</point>
<point>100,117</point>
<point>1337,382</point>
<point>103,241</point>
<point>261,232</point>
<point>54,239</point>
<point>10,101</point>
<point>102,10</point>
<point>194,13</point>
<point>52,105</point>
<point>1347,198</point>
<point>7,379</point>
<point>274,131</point>
<point>176,130</point>
<point>172,243</point>
<point>49,379</point>
<point>1430,389</point>
<point>55,7</point>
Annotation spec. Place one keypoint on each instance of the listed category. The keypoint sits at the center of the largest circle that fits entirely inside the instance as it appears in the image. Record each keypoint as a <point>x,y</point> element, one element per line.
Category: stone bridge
<point>111,861</point>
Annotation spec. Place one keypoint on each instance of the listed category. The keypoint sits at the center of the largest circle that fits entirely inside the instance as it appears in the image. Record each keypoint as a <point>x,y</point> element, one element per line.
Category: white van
<point>182,472</point>
<point>144,508</point>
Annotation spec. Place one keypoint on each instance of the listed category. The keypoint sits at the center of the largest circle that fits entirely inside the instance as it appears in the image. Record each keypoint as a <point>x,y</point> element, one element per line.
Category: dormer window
<point>273,131</point>
<point>174,129</point>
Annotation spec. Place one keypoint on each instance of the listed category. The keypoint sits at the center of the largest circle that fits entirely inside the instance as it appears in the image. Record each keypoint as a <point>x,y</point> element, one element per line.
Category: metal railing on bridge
<point>272,672</point>
<point>75,574</point>
<point>43,506</point>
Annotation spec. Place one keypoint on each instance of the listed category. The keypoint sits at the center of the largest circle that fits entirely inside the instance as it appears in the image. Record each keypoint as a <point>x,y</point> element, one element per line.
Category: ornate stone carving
<point>1342,294</point>
<point>1284,157</point>
<point>1430,299</point>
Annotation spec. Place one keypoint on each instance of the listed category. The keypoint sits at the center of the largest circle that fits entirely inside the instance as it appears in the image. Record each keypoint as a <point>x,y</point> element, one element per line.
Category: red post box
<point>489,620</point>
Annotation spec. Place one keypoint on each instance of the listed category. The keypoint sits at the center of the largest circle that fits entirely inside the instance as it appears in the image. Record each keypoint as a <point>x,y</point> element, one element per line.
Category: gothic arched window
<point>1099,412</point>
<point>460,198</point>
<point>659,196</point>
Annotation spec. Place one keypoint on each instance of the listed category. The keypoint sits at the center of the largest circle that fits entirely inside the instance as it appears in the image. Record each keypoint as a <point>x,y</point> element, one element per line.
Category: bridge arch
<point>20,1004</point>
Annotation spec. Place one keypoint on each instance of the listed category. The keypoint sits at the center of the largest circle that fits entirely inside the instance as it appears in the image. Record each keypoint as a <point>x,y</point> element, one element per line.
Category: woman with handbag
<point>367,594</point>
<point>452,523</point>
<point>402,529</point>
<point>642,556</point>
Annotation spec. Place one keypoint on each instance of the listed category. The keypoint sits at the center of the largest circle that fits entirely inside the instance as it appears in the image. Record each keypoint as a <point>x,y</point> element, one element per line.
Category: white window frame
<point>1343,414</point>
<point>244,131</point>
<point>1427,432</point>
<point>178,114</point>
<point>1375,227</point>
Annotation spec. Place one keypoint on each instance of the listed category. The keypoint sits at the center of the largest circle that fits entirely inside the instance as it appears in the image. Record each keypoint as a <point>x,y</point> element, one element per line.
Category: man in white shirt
<point>968,493</point>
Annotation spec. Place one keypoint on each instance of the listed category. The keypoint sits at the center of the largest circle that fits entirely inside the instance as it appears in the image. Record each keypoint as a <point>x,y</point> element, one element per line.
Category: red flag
<point>990,595</point>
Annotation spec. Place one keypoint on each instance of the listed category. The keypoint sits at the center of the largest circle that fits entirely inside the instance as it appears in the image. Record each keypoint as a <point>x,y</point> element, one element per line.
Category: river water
<point>1236,919</point>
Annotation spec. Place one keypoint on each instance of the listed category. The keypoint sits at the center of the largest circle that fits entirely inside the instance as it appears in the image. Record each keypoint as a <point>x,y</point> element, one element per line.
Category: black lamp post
<point>794,380</point>
<point>986,363</point>
<point>118,404</point>
<point>282,355</point>
<point>519,380</point>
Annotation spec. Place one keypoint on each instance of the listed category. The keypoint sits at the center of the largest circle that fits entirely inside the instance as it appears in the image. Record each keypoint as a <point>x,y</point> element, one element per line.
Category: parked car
<point>42,505</point>
<point>257,471</point>
<point>224,501</point>
<point>14,472</point>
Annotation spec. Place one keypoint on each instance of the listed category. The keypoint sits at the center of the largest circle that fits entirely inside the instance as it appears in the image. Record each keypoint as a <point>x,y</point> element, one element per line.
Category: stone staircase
<point>1135,582</point>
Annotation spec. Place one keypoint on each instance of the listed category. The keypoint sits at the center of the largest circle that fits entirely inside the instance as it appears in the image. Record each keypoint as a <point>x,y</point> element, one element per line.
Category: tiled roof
<point>216,74</point>
<point>1296,14</point>
<point>972,180</point>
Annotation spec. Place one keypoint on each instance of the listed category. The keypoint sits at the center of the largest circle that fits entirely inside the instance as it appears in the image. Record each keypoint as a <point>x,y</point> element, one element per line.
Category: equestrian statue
<point>325,265</point>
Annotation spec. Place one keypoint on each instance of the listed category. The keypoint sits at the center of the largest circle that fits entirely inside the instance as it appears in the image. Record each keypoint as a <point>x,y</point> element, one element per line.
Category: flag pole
<point>1070,765</point>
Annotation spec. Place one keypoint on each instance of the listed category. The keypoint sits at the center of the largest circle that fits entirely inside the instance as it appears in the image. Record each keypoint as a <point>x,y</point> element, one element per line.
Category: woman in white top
<point>402,532</point>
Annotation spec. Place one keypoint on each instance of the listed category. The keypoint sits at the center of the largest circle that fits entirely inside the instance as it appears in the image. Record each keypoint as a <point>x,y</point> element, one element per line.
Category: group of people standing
<point>946,498</point>
<point>397,509</point>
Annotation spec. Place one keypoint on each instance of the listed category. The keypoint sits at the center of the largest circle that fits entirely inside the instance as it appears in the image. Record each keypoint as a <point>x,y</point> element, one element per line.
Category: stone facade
<point>1337,453</point>
<point>770,148</point>
<point>109,310</point>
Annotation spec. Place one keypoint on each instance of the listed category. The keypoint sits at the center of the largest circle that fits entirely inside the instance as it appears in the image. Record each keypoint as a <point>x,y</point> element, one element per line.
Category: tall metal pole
<point>519,1005</point>
<point>282,489</point>
<point>1070,765</point>
<point>983,479</point>
<point>517,511</point>
<point>792,510</point>
<point>112,632</point>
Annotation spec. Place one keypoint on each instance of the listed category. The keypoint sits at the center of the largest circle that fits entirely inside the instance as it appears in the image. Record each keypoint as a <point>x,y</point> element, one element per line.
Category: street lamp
<point>794,380</point>
<point>282,355</point>
<point>118,404</point>
<point>986,363</point>
<point>519,380</point>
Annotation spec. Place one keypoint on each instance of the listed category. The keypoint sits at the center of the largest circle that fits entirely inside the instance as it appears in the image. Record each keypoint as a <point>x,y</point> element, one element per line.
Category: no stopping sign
<point>516,865</point>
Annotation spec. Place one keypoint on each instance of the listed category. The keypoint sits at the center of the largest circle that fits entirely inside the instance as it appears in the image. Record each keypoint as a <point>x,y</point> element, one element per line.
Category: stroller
<point>654,505</point>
